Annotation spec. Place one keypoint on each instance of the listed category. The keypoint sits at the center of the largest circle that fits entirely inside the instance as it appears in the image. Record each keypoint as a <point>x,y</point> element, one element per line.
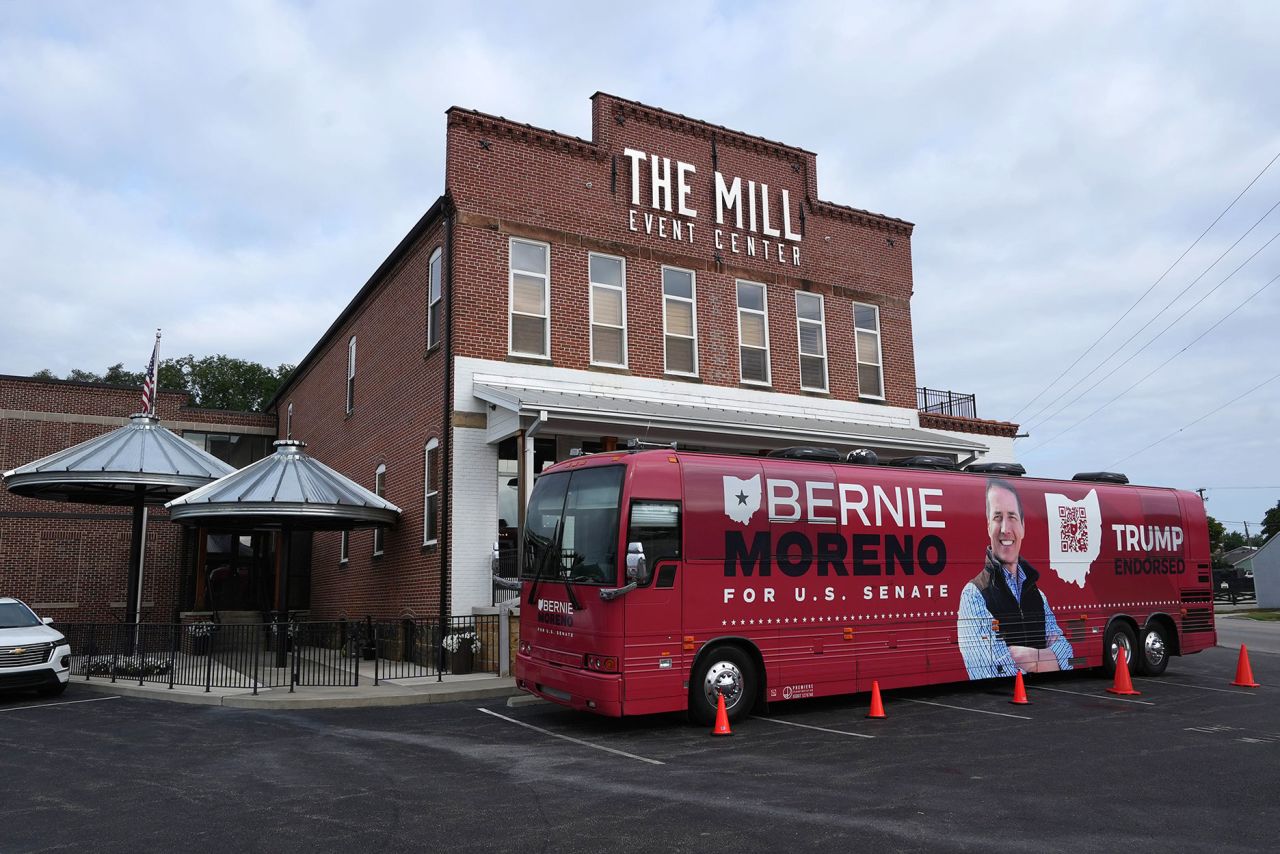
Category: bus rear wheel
<point>1153,650</point>
<point>726,671</point>
<point>1119,636</point>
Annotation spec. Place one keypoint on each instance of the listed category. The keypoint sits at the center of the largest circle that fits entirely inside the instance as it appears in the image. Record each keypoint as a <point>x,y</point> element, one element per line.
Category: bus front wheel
<point>726,671</point>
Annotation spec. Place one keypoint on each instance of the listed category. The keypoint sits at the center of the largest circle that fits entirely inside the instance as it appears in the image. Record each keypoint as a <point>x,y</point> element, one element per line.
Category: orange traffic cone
<point>1123,684</point>
<point>877,707</point>
<point>722,718</point>
<point>1244,673</point>
<point>1019,692</point>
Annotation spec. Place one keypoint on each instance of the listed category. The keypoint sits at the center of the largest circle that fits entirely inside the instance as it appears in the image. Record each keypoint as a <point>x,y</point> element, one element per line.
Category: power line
<point>1148,375</point>
<point>1211,488</point>
<point>1272,378</point>
<point>1031,421</point>
<point>1193,245</point>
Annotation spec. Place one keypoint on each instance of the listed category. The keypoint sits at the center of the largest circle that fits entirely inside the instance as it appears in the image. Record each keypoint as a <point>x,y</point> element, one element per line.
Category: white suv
<point>32,654</point>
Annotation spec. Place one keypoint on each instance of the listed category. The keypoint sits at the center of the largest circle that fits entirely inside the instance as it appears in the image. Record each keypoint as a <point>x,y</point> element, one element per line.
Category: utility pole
<point>1202,497</point>
<point>1246,533</point>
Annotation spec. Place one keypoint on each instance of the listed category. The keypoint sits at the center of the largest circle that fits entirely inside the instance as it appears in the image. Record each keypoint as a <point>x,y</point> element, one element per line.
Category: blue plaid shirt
<point>985,652</point>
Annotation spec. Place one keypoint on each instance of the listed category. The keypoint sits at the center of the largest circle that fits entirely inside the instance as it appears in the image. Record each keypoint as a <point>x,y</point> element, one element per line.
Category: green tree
<point>1271,522</point>
<point>214,382</point>
<point>1232,540</point>
<point>1216,531</point>
<point>224,382</point>
<point>117,375</point>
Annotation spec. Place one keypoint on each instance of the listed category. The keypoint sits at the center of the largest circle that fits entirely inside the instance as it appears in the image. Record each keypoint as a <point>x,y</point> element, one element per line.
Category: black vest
<point>1020,624</point>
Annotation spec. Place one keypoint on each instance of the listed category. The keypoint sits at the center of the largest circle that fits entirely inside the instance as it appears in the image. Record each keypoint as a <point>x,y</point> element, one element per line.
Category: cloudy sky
<point>234,171</point>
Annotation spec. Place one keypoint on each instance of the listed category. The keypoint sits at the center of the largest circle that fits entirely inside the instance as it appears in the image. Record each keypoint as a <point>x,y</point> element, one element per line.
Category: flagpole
<point>150,391</point>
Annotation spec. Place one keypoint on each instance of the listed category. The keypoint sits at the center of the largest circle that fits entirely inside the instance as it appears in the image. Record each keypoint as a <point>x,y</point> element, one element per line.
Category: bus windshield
<point>571,528</point>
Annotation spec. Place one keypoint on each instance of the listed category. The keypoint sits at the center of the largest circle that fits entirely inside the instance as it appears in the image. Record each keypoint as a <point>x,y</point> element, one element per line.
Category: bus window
<point>656,526</point>
<point>541,524</point>
<point>589,535</point>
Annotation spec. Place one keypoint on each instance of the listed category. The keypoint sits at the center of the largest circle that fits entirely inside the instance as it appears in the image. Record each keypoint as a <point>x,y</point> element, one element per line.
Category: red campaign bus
<point>653,581</point>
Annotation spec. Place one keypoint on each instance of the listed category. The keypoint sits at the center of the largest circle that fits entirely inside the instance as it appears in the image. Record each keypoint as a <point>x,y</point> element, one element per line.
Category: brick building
<point>68,560</point>
<point>668,280</point>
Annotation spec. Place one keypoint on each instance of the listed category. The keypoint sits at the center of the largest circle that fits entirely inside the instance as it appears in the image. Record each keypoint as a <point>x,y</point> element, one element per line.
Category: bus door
<point>652,655</point>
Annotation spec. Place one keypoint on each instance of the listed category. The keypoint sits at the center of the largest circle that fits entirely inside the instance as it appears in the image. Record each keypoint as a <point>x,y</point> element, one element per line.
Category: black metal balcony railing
<point>506,568</point>
<point>939,402</point>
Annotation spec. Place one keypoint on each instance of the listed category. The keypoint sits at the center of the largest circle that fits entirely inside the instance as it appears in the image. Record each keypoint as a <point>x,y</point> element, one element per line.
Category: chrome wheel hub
<point>1153,648</point>
<point>1117,643</point>
<point>725,678</point>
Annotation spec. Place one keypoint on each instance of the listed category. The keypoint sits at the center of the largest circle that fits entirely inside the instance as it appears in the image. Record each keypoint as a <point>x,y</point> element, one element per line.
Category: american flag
<point>149,381</point>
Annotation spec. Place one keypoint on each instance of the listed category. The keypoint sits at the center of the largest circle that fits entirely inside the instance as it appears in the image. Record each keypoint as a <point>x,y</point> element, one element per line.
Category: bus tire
<point>1153,650</point>
<point>724,670</point>
<point>1118,635</point>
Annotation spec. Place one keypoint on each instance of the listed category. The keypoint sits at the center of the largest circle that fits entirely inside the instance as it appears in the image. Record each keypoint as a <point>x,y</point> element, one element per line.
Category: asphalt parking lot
<point>1188,765</point>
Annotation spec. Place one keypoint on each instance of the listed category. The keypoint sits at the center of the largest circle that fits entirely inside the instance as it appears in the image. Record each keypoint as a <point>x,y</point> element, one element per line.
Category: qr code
<point>1074,530</point>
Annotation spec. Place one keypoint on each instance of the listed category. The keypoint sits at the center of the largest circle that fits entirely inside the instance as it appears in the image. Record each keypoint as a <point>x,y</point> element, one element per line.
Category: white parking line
<point>807,726</point>
<point>65,703</point>
<point>1094,696</point>
<point>966,709</point>
<point>570,738</point>
<point>1200,687</point>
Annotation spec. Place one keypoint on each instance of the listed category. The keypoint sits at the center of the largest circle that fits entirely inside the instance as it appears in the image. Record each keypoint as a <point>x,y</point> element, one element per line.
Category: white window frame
<point>692,299</point>
<point>344,548</point>
<point>288,422</point>
<point>428,493</point>
<point>379,489</point>
<point>351,374</point>
<point>858,363</point>
<point>821,323</point>
<point>591,308</point>
<point>768,365</point>
<point>546,299</point>
<point>434,283</point>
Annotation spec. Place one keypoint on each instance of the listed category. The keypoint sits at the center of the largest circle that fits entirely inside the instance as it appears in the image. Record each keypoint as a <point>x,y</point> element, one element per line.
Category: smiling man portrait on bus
<point>1005,623</point>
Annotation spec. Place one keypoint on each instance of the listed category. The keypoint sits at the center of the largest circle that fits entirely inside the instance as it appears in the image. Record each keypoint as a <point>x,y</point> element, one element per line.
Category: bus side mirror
<point>637,569</point>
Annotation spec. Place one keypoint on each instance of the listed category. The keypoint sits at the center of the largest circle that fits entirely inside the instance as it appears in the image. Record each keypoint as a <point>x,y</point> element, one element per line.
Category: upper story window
<point>811,329</point>
<point>680,321</point>
<point>753,332</point>
<point>530,299</point>
<point>866,331</point>
<point>344,547</point>
<point>351,374</point>
<point>433,299</point>
<point>431,494</point>
<point>608,310</point>
<point>234,449</point>
<point>379,489</point>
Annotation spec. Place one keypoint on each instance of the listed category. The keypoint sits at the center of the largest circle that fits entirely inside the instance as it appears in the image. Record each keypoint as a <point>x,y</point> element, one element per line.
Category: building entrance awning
<point>701,423</point>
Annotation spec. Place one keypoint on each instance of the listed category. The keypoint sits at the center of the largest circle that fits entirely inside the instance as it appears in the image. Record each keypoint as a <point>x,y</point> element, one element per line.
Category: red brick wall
<point>69,561</point>
<point>526,182</point>
<point>399,406</point>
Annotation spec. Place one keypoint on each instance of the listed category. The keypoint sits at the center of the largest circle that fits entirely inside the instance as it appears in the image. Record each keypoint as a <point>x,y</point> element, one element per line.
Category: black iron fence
<point>275,655</point>
<point>941,402</point>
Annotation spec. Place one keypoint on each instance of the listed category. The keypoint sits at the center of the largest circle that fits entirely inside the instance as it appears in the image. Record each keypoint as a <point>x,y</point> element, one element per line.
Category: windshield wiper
<point>542,562</point>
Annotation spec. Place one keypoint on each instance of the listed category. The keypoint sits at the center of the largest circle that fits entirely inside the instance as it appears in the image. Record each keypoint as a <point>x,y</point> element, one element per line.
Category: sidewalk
<point>389,692</point>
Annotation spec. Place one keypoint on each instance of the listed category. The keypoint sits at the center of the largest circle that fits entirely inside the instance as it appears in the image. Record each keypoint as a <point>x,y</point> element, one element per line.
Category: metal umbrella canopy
<point>287,491</point>
<point>138,464</point>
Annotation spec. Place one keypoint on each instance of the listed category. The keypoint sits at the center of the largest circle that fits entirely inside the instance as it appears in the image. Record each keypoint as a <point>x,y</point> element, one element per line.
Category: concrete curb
<point>332,698</point>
